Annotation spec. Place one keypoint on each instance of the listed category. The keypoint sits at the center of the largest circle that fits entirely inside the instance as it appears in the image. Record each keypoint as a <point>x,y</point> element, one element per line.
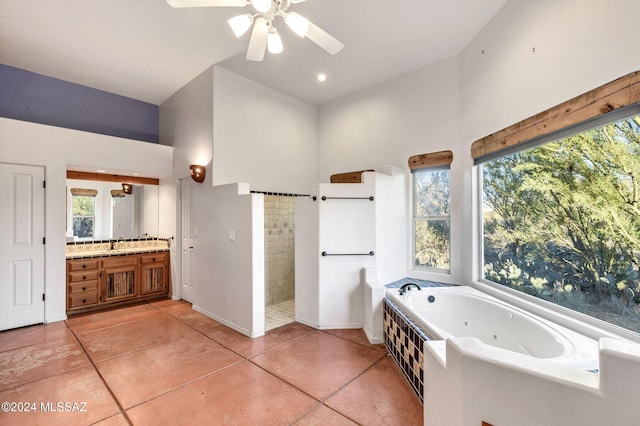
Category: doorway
<point>186,241</point>
<point>21,246</point>
<point>279,242</point>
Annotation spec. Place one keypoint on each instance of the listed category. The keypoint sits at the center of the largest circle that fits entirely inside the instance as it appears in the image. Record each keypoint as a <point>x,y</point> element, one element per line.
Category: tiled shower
<point>279,237</point>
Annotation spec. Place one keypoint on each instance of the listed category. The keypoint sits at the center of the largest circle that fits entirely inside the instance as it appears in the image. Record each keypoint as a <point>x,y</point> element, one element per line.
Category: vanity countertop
<point>111,253</point>
<point>120,248</point>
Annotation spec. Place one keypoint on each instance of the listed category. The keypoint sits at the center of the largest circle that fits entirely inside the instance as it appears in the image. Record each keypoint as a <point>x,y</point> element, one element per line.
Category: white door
<point>21,246</point>
<point>187,240</point>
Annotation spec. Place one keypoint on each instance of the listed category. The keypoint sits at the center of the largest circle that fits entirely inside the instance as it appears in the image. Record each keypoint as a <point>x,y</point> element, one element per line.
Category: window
<point>561,221</point>
<point>431,221</point>
<point>83,204</point>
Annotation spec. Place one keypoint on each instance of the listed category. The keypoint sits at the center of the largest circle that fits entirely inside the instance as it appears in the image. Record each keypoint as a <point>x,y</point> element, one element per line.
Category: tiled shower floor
<point>164,363</point>
<point>279,314</point>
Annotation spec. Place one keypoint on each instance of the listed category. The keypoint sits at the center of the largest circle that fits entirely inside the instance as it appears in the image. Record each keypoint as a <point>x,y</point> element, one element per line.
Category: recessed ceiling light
<point>321,77</point>
<point>101,171</point>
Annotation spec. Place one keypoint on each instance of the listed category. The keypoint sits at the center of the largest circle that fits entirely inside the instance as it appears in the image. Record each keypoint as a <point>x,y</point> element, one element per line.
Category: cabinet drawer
<point>82,264</point>
<point>84,288</point>
<point>90,275</point>
<point>78,300</point>
<point>154,257</point>
<point>116,262</point>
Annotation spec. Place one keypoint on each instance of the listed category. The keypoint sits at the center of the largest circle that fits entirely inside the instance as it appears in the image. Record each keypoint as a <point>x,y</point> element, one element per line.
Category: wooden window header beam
<point>103,177</point>
<point>82,191</point>
<point>612,96</point>
<point>350,177</point>
<point>432,159</point>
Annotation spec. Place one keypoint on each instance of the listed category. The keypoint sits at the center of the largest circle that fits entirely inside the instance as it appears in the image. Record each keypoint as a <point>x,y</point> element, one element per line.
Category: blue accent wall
<point>28,96</point>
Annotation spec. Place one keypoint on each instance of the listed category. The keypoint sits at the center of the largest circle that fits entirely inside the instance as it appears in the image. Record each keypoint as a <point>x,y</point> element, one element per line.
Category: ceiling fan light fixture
<point>240,24</point>
<point>298,24</point>
<point>274,42</point>
<point>262,6</point>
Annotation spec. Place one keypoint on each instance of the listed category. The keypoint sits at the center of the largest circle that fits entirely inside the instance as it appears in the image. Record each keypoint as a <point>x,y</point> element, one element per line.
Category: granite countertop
<point>110,248</point>
<point>115,252</point>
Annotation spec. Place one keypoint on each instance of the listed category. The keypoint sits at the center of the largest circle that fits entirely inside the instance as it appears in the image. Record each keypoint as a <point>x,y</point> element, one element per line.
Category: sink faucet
<point>407,287</point>
<point>113,243</point>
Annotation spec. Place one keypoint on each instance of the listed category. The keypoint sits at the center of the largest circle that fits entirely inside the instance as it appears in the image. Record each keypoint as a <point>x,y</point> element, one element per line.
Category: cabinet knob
<point>153,259</point>
<point>84,277</point>
<point>84,300</point>
<point>84,288</point>
<point>84,266</point>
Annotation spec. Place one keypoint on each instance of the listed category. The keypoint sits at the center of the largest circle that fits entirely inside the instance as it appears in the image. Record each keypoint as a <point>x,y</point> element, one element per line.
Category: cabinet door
<point>119,283</point>
<point>154,278</point>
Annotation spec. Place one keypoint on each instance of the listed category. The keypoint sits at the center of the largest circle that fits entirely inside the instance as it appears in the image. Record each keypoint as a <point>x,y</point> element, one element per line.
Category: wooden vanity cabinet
<point>103,281</point>
<point>82,283</point>
<point>154,273</point>
<point>120,277</point>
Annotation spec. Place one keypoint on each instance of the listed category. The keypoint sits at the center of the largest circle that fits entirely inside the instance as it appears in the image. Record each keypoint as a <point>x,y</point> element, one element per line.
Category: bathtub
<point>461,311</point>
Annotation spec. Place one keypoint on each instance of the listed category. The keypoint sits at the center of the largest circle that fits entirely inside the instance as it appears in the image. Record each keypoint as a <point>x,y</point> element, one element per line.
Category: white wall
<point>55,149</point>
<point>262,136</point>
<point>343,226</point>
<point>243,132</point>
<point>414,114</point>
<point>228,271</point>
<point>575,51</point>
<point>186,123</point>
<point>330,290</point>
<point>451,104</point>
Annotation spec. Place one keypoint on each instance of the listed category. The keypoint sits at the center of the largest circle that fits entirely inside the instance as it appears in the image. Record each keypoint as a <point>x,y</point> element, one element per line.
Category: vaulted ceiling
<point>147,50</point>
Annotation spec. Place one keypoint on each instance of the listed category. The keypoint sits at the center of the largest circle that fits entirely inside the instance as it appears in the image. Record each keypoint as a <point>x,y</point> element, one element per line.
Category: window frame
<point>93,217</point>
<point>415,218</point>
<point>571,116</point>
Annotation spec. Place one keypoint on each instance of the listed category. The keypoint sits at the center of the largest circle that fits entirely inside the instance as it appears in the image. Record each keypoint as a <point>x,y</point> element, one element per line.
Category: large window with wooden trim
<point>431,214</point>
<point>83,204</point>
<point>561,210</point>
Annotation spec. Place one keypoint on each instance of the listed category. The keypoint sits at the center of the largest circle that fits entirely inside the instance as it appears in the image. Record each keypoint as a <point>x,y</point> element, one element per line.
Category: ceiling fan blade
<point>258,42</point>
<point>324,39</point>
<point>207,3</point>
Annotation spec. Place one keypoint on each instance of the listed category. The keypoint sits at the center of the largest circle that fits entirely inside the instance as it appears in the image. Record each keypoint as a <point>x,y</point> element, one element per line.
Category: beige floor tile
<point>110,342</point>
<point>109,318</point>
<point>87,397</point>
<point>142,375</point>
<point>239,395</point>
<point>168,306</point>
<point>196,320</point>
<point>379,396</point>
<point>322,416</point>
<point>25,336</point>
<point>248,347</point>
<point>318,363</point>
<point>29,363</point>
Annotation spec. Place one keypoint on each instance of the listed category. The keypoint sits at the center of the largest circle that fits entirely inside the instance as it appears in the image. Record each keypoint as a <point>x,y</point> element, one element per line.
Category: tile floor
<point>279,314</point>
<point>163,363</point>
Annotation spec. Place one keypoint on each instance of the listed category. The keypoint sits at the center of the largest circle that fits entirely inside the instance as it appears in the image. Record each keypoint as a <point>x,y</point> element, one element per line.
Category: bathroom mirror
<point>98,210</point>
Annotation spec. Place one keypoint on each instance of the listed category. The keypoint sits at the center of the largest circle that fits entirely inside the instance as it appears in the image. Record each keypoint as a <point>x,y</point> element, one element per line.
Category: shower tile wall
<point>279,235</point>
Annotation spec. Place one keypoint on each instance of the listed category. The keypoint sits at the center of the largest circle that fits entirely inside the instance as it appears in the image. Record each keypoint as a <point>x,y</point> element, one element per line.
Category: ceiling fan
<point>265,35</point>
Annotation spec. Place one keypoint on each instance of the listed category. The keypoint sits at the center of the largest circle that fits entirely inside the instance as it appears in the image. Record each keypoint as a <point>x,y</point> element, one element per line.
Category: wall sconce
<point>127,188</point>
<point>197,172</point>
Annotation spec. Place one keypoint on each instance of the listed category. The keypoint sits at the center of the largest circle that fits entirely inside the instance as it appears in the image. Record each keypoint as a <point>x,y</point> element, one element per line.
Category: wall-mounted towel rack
<point>324,253</point>
<point>325,198</point>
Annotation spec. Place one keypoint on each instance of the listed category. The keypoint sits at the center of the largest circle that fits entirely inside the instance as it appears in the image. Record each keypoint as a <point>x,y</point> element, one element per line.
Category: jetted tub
<point>462,311</point>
